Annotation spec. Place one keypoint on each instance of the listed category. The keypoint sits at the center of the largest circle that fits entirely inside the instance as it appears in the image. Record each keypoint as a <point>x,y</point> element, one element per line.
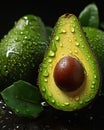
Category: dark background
<point>48,10</point>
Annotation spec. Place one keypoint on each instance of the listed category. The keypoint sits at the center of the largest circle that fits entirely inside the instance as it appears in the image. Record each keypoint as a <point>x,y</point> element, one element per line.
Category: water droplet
<point>17,110</point>
<point>93,82</point>
<point>70,40</point>
<point>66,103</point>
<point>49,94</point>
<point>45,80</point>
<point>77,44</point>
<point>50,65</point>
<point>91,117</point>
<point>51,53</point>
<point>77,98</point>
<point>10,112</point>
<point>4,126</point>
<point>17,126</point>
<point>44,104</point>
<point>52,100</point>
<point>87,100</point>
<point>43,89</point>
<point>82,46</point>
<point>76,51</point>
<point>44,66</point>
<point>53,47</point>
<point>57,38</point>
<point>25,17</point>
<point>70,52</point>
<point>27,22</point>
<point>25,37</point>
<point>3,107</point>
<point>45,73</point>
<point>63,31</point>
<point>95,76</point>
<point>80,35</point>
<point>92,86</point>
<point>81,102</point>
<point>72,30</point>
<point>50,60</point>
<point>21,33</point>
<point>61,45</point>
<point>87,59</point>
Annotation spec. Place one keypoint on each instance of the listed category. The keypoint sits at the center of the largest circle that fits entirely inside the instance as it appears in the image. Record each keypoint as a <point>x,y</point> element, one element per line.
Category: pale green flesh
<point>68,39</point>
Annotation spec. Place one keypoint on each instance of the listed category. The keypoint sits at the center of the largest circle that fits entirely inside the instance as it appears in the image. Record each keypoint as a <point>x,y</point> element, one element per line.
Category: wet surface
<point>90,118</point>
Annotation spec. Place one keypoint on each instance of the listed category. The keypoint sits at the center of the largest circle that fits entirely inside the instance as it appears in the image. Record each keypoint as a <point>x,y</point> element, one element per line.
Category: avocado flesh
<point>68,39</point>
<point>22,50</point>
<point>95,39</point>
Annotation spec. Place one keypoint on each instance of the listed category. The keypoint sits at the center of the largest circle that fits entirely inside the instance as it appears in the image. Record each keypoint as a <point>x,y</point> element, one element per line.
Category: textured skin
<point>22,50</point>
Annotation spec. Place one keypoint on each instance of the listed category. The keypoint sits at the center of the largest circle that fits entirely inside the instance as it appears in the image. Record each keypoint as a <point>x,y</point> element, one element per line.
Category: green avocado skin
<point>22,50</point>
<point>95,39</point>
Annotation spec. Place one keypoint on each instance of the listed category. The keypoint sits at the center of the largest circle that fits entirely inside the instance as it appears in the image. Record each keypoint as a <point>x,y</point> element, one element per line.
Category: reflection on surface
<point>90,118</point>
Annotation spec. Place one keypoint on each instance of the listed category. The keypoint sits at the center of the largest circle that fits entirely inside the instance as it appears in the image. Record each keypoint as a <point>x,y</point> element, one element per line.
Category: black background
<point>49,11</point>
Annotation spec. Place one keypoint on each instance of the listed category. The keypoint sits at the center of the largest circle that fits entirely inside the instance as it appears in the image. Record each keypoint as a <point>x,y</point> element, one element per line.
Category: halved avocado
<point>69,75</point>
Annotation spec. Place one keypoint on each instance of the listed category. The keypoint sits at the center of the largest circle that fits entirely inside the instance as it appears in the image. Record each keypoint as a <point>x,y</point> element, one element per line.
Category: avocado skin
<point>95,39</point>
<point>49,32</point>
<point>22,50</point>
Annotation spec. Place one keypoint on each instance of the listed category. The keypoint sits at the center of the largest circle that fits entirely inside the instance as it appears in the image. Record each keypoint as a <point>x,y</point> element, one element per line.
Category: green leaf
<point>89,16</point>
<point>23,98</point>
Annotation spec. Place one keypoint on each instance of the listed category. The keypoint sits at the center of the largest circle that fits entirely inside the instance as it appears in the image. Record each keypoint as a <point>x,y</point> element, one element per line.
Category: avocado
<point>49,31</point>
<point>22,50</point>
<point>95,39</point>
<point>69,75</point>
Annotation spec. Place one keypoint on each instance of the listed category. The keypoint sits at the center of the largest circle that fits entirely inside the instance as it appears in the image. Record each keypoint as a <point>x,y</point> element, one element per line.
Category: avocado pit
<point>68,73</point>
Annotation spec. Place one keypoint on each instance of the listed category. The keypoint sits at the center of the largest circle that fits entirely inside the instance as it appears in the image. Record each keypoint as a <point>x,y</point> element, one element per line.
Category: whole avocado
<point>95,39</point>
<point>22,50</point>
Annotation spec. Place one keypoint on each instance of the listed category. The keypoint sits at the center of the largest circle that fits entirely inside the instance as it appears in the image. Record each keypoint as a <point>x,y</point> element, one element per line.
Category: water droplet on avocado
<point>51,53</point>
<point>43,89</point>
<point>81,102</point>
<point>66,103</point>
<point>61,45</point>
<point>70,52</point>
<point>72,30</point>
<point>21,33</point>
<point>63,31</point>
<point>77,98</point>
<point>53,47</point>
<point>82,46</point>
<point>87,100</point>
<point>25,37</point>
<point>57,38</point>
<point>76,51</point>
<point>52,100</point>
<point>45,73</point>
<point>70,40</point>
<point>45,80</point>
<point>50,65</point>
<point>50,60</point>
<point>27,22</point>
<point>92,86</point>
<point>77,44</point>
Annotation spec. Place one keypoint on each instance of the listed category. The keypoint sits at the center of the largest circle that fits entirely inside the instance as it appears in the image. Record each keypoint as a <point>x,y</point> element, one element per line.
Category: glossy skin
<point>68,74</point>
<point>21,51</point>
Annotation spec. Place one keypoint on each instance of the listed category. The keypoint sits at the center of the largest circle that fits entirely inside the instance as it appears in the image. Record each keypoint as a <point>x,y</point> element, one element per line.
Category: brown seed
<point>68,73</point>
